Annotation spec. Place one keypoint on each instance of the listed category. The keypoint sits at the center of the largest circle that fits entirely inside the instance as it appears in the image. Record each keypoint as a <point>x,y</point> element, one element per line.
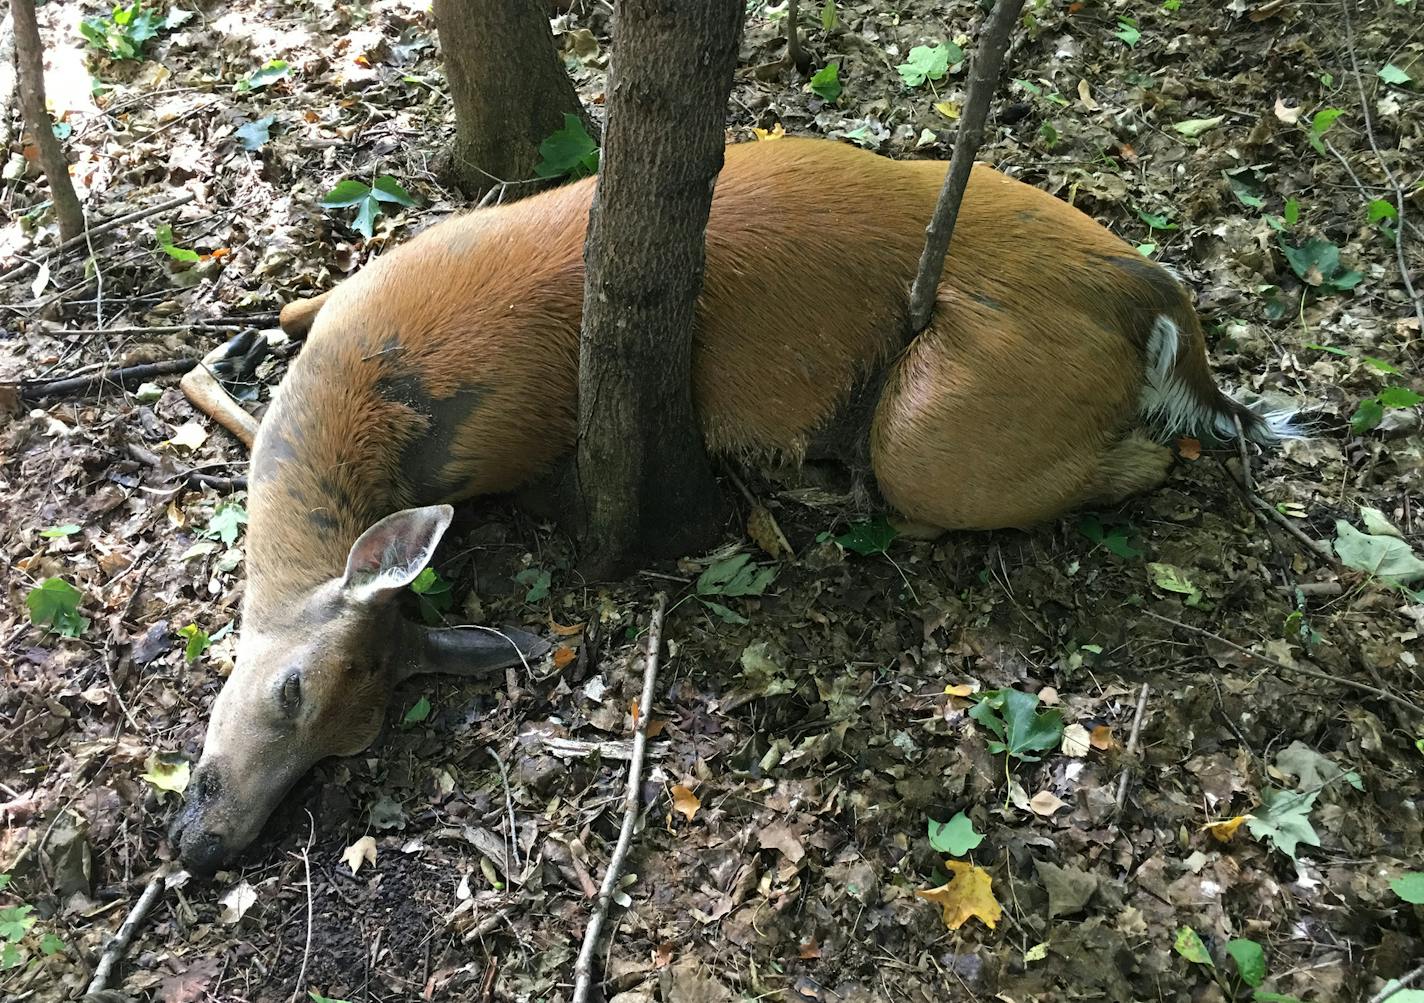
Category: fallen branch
<point>983,81</point>
<point>123,378</point>
<point>119,944</point>
<point>1319,548</point>
<point>583,968</point>
<point>297,993</point>
<point>95,231</point>
<point>218,325</point>
<point>1131,746</point>
<point>1298,670</point>
<point>194,477</point>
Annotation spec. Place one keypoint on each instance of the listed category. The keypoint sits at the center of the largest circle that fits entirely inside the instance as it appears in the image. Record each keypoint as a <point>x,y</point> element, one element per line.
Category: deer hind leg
<point>1131,465</point>
<point>298,316</point>
<point>233,359</point>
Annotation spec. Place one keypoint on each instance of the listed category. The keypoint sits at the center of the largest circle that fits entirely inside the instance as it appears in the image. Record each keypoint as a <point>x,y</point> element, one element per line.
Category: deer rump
<point>448,368</point>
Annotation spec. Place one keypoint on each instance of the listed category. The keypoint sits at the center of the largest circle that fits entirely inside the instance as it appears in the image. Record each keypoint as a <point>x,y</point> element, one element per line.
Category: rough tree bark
<point>29,58</point>
<point>644,480</point>
<point>983,81</point>
<point>509,88</point>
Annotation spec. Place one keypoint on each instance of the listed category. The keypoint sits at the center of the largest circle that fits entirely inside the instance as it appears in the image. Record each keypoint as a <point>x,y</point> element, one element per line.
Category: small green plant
<point>826,83</point>
<point>60,532</point>
<point>370,200</point>
<point>1128,32</point>
<point>163,233</point>
<point>1371,411</point>
<point>54,605</point>
<point>955,837</point>
<point>929,63</point>
<point>124,32</point>
<point>869,537</point>
<point>1115,539</point>
<point>434,596</point>
<point>418,712</point>
<point>571,152</point>
<point>828,15</point>
<point>1317,264</point>
<point>20,942</point>
<point>1020,729</point>
<point>1248,958</point>
<point>265,76</point>
<point>1319,125</point>
<point>197,642</point>
<point>226,523</point>
<point>1156,221</point>
<point>537,581</point>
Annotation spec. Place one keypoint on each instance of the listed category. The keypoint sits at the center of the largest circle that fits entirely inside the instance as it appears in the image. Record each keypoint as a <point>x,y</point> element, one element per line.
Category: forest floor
<point>804,753</point>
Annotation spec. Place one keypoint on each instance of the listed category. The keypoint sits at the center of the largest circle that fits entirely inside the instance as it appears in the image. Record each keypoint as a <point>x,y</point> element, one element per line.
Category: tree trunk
<point>509,88</point>
<point>29,58</point>
<point>644,480</point>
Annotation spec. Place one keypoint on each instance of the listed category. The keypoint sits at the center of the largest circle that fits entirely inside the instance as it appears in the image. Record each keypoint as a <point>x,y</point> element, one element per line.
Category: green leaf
<point>1156,222</point>
<point>734,576</point>
<point>1262,996</point>
<point>1189,945</point>
<point>1250,960</point>
<point>1399,397</point>
<point>346,193</point>
<point>435,595</point>
<point>51,945</point>
<point>1382,209</point>
<point>1392,74</point>
<point>1320,124</point>
<point>1246,193</point>
<point>368,209</point>
<point>198,642</point>
<point>163,233</point>
<point>227,521</point>
<point>537,581</point>
<point>268,74</point>
<point>722,612</point>
<point>1385,557</point>
<point>56,532</point>
<point>1012,715</point>
<point>1171,578</point>
<point>15,921</point>
<point>826,83</point>
<point>1147,250</point>
<point>319,998</point>
<point>1368,414</point>
<point>872,536</point>
<point>1283,820</point>
<point>1410,887</point>
<point>828,15</point>
<point>388,189</point>
<point>955,837</point>
<point>1291,213</point>
<point>54,605</point>
<point>417,713</point>
<point>1127,30</point>
<point>570,152</point>
<point>1317,263</point>
<point>1194,127</point>
<point>928,62</point>
<point>255,134</point>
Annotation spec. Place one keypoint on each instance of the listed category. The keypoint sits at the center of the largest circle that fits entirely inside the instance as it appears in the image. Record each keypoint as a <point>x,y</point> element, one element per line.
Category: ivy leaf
<point>929,62</point>
<point>267,75</point>
<point>873,536</point>
<point>54,605</point>
<point>388,189</point>
<point>1171,578</point>
<point>537,581</point>
<point>826,83</point>
<point>1410,887</point>
<point>1250,960</point>
<point>955,837</point>
<point>1012,715</point>
<point>1392,74</point>
<point>226,523</point>
<point>570,152</point>
<point>198,642</point>
<point>1128,31</point>
<point>734,576</point>
<point>1283,820</point>
<point>1320,124</point>
<point>1368,414</point>
<point>1317,263</point>
<point>346,193</point>
<point>1382,209</point>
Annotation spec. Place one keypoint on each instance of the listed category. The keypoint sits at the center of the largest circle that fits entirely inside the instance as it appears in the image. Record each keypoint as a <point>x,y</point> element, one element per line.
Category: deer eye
<point>289,697</point>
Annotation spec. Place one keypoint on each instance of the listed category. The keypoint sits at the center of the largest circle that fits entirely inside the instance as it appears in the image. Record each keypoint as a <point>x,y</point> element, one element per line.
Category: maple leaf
<point>363,851</point>
<point>968,894</point>
<point>685,802</point>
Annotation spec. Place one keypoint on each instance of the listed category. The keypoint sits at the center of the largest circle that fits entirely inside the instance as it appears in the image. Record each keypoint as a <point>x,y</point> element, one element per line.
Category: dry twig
<point>583,968</point>
<point>297,993</point>
<point>1132,745</point>
<point>95,231</point>
<point>118,945</point>
<point>1398,985</point>
<point>983,81</point>
<point>1298,670</point>
<point>123,378</point>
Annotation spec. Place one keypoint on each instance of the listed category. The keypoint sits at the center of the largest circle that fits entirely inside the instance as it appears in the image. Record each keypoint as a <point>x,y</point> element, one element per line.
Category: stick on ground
<point>119,945</point>
<point>583,968</point>
<point>124,378</point>
<point>983,81</point>
<point>1132,745</point>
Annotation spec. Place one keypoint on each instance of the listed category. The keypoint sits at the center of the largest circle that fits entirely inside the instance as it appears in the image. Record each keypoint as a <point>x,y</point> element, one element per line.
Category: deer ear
<point>392,553</point>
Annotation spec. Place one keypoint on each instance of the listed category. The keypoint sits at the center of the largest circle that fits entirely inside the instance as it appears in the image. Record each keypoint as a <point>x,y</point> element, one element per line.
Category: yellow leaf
<point>1224,830</point>
<point>563,655</point>
<point>684,801</point>
<point>1085,95</point>
<point>363,851</point>
<point>190,436</point>
<point>563,631</point>
<point>1045,803</point>
<point>949,109</point>
<point>1102,738</point>
<point>960,690</point>
<point>166,772</point>
<point>776,132</point>
<point>968,894</point>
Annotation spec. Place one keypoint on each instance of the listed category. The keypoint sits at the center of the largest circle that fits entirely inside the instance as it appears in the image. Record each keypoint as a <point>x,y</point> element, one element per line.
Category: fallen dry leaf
<point>236,903</point>
<point>361,852</point>
<point>969,893</point>
<point>563,655</point>
<point>1045,803</point>
<point>1102,738</point>
<point>685,802</point>
<point>779,837</point>
<point>1189,448</point>
<point>1076,741</point>
<point>1224,830</point>
<point>1085,95</point>
<point>765,533</point>
<point>562,631</point>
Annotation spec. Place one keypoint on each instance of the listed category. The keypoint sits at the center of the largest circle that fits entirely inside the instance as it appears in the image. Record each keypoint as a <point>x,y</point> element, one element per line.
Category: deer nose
<point>202,852</point>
